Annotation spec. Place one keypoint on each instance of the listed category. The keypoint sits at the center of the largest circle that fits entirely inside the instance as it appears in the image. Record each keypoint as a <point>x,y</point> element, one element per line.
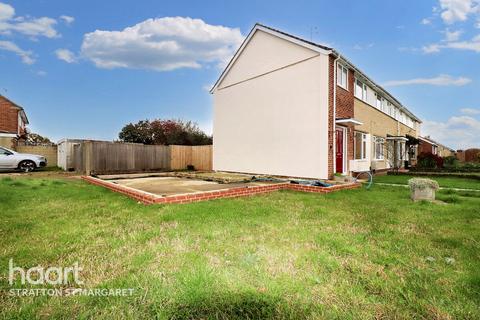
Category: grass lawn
<point>353,254</point>
<point>447,182</point>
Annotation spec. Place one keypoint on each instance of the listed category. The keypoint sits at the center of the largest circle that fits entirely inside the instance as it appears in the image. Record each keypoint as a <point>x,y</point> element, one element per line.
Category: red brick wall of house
<point>472,155</point>
<point>8,116</point>
<point>424,147</point>
<point>344,109</point>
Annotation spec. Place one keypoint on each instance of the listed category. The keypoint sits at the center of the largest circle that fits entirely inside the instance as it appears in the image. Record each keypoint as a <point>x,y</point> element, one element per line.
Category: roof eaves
<point>295,37</point>
<point>385,92</point>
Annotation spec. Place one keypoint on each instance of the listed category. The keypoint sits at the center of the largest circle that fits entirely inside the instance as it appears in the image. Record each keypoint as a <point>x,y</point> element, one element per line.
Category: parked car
<point>10,159</point>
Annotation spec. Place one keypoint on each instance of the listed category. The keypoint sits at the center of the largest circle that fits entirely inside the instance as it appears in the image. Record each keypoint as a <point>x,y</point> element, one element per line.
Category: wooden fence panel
<point>101,157</point>
<point>181,157</point>
<point>198,156</point>
<point>202,157</point>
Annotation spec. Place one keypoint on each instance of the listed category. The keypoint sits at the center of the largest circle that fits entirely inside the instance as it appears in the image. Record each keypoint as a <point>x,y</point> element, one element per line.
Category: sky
<point>84,69</point>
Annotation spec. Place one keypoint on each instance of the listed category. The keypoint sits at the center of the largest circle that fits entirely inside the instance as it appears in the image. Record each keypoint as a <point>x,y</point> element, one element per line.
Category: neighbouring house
<point>287,106</point>
<point>469,155</point>
<point>13,122</point>
<point>428,145</point>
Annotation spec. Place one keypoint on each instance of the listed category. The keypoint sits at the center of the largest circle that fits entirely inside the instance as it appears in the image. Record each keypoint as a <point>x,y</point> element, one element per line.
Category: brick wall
<point>424,147</point>
<point>49,152</point>
<point>150,198</point>
<point>472,155</point>
<point>344,109</point>
<point>8,116</point>
<point>7,142</point>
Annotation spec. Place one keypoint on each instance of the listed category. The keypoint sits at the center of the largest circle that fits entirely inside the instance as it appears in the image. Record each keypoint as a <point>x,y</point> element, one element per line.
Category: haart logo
<point>41,276</point>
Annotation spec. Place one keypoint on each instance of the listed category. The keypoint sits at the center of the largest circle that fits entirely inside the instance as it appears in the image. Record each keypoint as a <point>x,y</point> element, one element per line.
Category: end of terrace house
<point>290,107</point>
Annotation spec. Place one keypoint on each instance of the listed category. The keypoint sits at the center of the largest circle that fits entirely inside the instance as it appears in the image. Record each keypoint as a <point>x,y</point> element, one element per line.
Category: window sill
<point>342,87</point>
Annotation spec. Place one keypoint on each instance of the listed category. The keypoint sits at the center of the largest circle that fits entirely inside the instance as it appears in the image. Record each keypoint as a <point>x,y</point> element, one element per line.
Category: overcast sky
<point>83,69</point>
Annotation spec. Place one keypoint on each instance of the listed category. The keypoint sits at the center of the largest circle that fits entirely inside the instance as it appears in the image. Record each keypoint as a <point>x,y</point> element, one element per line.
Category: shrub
<point>422,183</point>
<point>450,162</point>
<point>429,160</point>
<point>165,132</point>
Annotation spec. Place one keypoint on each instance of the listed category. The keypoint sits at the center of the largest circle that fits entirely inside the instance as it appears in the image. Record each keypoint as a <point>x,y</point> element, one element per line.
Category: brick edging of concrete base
<point>150,198</point>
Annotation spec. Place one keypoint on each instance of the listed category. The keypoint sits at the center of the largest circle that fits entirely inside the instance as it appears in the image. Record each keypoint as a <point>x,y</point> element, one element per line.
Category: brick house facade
<point>13,122</point>
<point>282,108</point>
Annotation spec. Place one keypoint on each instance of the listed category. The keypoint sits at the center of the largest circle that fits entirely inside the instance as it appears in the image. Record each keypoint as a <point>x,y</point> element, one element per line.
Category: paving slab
<point>166,186</point>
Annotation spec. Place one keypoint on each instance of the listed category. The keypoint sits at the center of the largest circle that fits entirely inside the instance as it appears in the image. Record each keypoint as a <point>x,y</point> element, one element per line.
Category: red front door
<point>339,150</point>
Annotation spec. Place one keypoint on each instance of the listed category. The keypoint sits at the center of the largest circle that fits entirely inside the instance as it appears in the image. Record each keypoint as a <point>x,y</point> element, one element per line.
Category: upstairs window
<point>379,102</point>
<point>360,90</point>
<point>360,146</point>
<point>390,109</point>
<point>342,76</point>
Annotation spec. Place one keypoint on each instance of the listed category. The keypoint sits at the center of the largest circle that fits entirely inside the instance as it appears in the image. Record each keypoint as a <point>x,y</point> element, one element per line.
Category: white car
<point>10,159</point>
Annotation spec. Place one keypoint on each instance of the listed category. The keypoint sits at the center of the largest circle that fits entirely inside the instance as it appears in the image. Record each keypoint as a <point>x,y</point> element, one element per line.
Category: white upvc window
<point>378,146</point>
<point>342,76</point>
<point>360,90</point>
<point>360,146</point>
<point>379,102</point>
<point>410,122</point>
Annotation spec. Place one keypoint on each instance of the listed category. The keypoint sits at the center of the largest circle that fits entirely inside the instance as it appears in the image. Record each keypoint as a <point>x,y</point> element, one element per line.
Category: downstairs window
<point>378,144</point>
<point>360,146</point>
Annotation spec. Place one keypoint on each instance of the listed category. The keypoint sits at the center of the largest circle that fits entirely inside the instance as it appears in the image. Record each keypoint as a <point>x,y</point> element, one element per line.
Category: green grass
<point>447,182</point>
<point>354,254</point>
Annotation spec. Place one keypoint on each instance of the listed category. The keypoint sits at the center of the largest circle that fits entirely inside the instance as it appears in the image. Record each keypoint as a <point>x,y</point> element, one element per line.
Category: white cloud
<point>457,10</point>
<point>470,111</point>
<point>426,21</point>
<point>459,132</point>
<point>66,55</point>
<point>41,73</point>
<point>67,19</point>
<point>362,47</point>
<point>162,44</point>
<point>432,48</point>
<point>470,45</point>
<point>34,27</point>
<point>452,35</point>
<point>441,80</point>
<point>6,11</point>
<point>26,56</point>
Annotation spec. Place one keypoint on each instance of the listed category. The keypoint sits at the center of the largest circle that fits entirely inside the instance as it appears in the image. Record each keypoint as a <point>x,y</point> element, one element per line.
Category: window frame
<point>363,144</point>
<point>340,77</point>
<point>376,142</point>
<point>379,100</point>
<point>363,87</point>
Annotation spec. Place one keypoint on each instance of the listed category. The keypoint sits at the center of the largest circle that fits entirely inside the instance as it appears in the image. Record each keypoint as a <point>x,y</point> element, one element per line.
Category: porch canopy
<point>397,138</point>
<point>347,121</point>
